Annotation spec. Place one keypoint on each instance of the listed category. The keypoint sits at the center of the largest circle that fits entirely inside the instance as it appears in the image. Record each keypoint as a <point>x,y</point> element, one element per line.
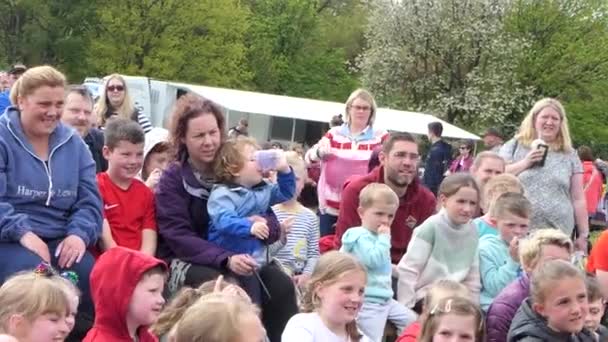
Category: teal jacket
<point>373,251</point>
<point>496,266</point>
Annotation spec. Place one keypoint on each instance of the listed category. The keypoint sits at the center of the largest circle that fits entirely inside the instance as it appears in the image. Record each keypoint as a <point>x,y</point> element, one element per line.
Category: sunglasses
<point>116,88</point>
<point>463,148</point>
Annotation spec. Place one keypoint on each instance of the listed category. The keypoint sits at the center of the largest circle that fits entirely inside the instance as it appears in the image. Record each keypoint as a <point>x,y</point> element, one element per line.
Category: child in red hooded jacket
<point>127,287</point>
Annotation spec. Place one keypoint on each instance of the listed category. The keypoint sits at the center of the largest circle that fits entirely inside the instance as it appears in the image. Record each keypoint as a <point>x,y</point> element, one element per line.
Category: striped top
<point>300,251</point>
<point>349,157</point>
<point>144,122</point>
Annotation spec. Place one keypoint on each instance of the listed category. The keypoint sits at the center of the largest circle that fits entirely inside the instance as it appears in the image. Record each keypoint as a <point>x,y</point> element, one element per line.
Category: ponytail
<point>14,95</point>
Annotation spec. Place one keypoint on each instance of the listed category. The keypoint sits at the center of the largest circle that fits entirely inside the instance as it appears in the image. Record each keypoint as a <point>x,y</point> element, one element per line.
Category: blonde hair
<point>214,317</point>
<point>497,186</point>
<point>459,306</point>
<point>31,295</point>
<point>548,275</point>
<point>377,192</point>
<point>230,159</point>
<point>297,164</point>
<point>35,78</point>
<point>365,96</point>
<point>479,159</point>
<point>531,247</point>
<point>527,133</point>
<point>330,267</point>
<point>512,203</point>
<point>440,290</point>
<point>184,299</point>
<point>126,108</point>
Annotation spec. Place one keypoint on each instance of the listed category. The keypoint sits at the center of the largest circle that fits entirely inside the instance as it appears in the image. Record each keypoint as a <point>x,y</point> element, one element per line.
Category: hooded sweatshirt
<point>53,198</point>
<point>113,280</point>
<point>528,326</point>
<point>156,136</point>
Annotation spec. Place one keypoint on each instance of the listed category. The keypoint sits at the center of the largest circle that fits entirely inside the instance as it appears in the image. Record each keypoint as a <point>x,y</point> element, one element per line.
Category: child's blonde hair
<point>375,193</point>
<point>548,275</point>
<point>214,318</point>
<point>184,299</point>
<point>594,289</point>
<point>30,295</point>
<point>330,267</point>
<point>511,203</point>
<point>497,186</point>
<point>456,181</point>
<point>530,248</point>
<point>460,306</point>
<point>230,159</point>
<point>297,164</point>
<point>442,289</point>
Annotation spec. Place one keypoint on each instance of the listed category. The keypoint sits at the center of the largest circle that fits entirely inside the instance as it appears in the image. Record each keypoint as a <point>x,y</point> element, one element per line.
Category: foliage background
<point>475,63</point>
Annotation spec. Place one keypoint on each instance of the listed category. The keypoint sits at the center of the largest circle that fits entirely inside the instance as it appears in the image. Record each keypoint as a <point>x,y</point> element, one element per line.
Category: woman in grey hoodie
<point>556,308</point>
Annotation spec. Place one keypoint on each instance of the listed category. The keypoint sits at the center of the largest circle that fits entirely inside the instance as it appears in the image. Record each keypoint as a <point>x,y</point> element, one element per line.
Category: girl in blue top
<point>49,203</point>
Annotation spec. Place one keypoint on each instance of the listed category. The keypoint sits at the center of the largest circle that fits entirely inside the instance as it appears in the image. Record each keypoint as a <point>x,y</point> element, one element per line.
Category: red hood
<point>113,280</point>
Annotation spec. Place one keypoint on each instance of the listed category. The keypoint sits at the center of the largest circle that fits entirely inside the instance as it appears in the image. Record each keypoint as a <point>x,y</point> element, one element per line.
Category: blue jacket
<point>229,207</point>
<point>437,163</point>
<point>5,101</point>
<point>373,251</point>
<point>51,199</point>
<point>496,267</point>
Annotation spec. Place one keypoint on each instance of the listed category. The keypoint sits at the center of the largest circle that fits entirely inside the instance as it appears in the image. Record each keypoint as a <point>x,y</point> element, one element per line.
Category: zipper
<point>47,169</point>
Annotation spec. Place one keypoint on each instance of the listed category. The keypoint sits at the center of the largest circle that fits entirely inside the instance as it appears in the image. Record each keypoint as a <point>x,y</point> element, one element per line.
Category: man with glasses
<point>398,169</point>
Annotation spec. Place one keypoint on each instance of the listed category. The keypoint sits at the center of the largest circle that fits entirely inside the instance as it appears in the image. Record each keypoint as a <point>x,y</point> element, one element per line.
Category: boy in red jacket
<point>126,287</point>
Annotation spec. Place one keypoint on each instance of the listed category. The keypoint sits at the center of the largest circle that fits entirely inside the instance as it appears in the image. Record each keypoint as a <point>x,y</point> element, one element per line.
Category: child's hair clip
<point>44,269</point>
<point>71,276</point>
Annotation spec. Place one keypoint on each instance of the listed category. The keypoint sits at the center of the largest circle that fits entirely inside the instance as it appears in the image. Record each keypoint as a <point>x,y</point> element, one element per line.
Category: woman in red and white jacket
<point>344,151</point>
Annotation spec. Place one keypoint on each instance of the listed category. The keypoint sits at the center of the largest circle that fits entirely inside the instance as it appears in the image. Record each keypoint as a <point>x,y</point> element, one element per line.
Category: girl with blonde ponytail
<point>331,302</point>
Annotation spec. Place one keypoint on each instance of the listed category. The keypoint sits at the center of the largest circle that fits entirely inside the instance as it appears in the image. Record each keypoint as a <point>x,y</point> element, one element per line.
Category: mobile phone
<point>545,149</point>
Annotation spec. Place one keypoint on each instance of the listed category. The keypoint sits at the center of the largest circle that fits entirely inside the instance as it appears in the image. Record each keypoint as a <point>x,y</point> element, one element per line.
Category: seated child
<point>236,204</point>
<point>299,250</point>
<point>218,317</point>
<point>597,306</point>
<point>439,291</point>
<point>157,155</point>
<point>128,204</point>
<point>495,187</point>
<point>371,244</point>
<point>185,298</point>
<point>498,255</point>
<point>597,263</point>
<point>453,319</point>
<point>556,308</point>
<point>444,246</point>
<point>34,306</point>
<point>127,288</point>
<point>331,302</point>
<point>534,251</point>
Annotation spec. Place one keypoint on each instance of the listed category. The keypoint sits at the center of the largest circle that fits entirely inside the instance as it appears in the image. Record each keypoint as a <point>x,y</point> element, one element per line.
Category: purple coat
<point>183,221</point>
<point>503,308</point>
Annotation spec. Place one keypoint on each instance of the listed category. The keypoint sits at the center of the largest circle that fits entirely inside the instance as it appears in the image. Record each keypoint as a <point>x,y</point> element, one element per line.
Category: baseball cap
<point>17,69</point>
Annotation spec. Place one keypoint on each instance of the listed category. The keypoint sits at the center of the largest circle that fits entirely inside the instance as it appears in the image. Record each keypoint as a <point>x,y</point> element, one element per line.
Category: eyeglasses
<point>116,88</point>
<point>463,148</point>
<point>362,108</point>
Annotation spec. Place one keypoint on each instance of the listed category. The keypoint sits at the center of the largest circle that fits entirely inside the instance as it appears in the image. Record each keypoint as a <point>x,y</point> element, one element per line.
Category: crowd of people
<point>114,230</point>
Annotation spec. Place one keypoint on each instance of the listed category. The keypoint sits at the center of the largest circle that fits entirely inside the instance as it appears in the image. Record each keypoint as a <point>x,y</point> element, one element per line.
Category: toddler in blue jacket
<point>242,196</point>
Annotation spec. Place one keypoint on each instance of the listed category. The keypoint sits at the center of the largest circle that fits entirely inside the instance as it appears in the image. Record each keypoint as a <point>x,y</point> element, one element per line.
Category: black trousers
<point>276,310</point>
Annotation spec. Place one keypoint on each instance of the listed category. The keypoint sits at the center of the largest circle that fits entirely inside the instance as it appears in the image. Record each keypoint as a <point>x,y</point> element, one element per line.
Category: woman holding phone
<point>542,157</point>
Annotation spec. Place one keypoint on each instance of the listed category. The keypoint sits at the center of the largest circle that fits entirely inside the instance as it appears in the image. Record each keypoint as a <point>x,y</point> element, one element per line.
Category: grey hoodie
<point>528,326</point>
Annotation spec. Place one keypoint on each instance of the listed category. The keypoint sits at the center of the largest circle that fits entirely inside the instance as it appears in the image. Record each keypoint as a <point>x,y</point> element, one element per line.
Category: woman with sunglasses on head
<point>344,151</point>
<point>463,162</point>
<point>115,100</point>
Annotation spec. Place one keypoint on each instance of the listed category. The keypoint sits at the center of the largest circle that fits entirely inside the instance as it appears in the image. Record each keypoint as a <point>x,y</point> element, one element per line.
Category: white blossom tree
<point>451,58</point>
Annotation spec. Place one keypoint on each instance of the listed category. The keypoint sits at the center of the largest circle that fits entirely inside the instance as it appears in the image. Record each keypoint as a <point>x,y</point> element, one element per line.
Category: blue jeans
<point>326,224</point>
<point>15,258</point>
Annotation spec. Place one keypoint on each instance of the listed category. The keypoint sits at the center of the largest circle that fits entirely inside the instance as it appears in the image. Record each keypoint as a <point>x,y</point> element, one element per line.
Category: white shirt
<point>308,327</point>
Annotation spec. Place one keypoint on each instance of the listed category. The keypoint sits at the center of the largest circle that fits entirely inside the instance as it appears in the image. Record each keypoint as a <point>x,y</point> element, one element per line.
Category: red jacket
<point>410,334</point>
<point>415,206</point>
<point>113,280</point>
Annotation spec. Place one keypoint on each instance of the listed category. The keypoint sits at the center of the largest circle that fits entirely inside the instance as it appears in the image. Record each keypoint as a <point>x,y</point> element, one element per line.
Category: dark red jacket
<point>113,280</point>
<point>415,206</point>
